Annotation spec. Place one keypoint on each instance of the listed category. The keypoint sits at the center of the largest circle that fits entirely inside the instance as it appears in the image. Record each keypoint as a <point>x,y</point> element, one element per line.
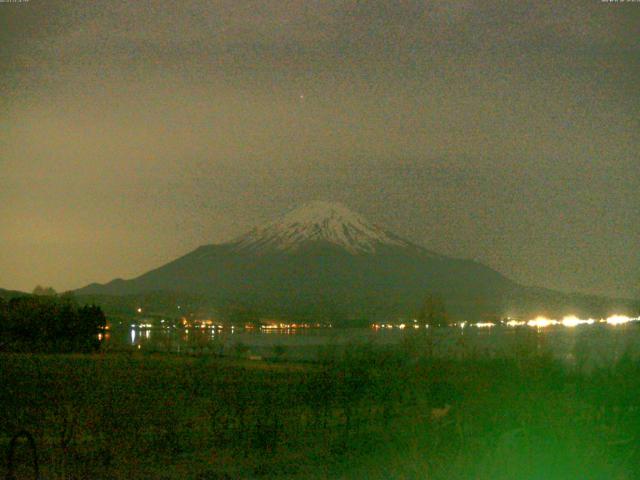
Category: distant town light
<point>573,321</point>
<point>485,324</point>
<point>619,319</point>
<point>541,322</point>
<point>516,323</point>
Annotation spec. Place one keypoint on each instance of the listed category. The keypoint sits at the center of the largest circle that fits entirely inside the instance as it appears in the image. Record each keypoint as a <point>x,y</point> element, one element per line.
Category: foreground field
<point>368,413</point>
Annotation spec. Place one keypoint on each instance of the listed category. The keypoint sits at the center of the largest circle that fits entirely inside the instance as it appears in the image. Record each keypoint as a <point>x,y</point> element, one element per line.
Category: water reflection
<point>597,342</point>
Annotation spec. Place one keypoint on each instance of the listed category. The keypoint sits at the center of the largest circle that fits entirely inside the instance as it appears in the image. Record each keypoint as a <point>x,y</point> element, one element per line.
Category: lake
<point>597,344</point>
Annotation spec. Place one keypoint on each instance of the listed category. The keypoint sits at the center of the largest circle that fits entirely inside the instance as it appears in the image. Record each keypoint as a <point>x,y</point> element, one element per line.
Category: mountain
<point>322,260</point>
<point>319,222</point>
<point>9,294</point>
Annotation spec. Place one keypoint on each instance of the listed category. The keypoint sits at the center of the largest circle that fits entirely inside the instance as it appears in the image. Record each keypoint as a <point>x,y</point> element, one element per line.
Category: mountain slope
<point>324,260</point>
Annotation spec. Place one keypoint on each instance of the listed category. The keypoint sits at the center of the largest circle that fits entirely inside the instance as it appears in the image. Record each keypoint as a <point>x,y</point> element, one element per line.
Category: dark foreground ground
<point>367,414</point>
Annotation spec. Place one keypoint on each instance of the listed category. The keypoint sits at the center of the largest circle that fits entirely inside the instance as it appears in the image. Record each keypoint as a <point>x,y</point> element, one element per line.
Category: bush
<point>49,324</point>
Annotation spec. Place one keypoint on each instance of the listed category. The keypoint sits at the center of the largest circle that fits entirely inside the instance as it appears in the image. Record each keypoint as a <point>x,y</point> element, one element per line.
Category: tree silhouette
<point>49,324</point>
<point>433,311</point>
<point>44,291</point>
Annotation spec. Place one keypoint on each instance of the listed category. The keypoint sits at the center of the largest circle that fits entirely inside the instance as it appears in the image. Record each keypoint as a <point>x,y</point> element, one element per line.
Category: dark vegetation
<point>48,323</point>
<point>367,412</point>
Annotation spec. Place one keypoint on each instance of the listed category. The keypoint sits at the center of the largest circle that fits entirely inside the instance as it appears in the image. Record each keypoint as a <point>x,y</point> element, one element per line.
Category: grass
<point>365,413</point>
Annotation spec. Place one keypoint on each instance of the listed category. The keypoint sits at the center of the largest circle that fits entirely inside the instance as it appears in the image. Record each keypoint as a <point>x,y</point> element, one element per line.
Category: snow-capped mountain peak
<point>319,222</point>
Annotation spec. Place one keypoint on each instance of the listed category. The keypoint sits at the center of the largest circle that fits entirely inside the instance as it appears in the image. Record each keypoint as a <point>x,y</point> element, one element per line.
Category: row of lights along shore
<point>569,321</point>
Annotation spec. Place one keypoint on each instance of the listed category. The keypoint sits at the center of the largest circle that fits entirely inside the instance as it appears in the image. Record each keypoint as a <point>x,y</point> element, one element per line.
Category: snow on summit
<point>319,221</point>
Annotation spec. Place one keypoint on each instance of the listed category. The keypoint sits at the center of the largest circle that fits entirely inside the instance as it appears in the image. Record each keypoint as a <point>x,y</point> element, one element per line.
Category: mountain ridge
<point>323,259</point>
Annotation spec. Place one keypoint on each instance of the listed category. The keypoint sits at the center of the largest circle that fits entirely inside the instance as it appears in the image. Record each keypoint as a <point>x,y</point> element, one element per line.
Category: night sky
<point>134,131</point>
